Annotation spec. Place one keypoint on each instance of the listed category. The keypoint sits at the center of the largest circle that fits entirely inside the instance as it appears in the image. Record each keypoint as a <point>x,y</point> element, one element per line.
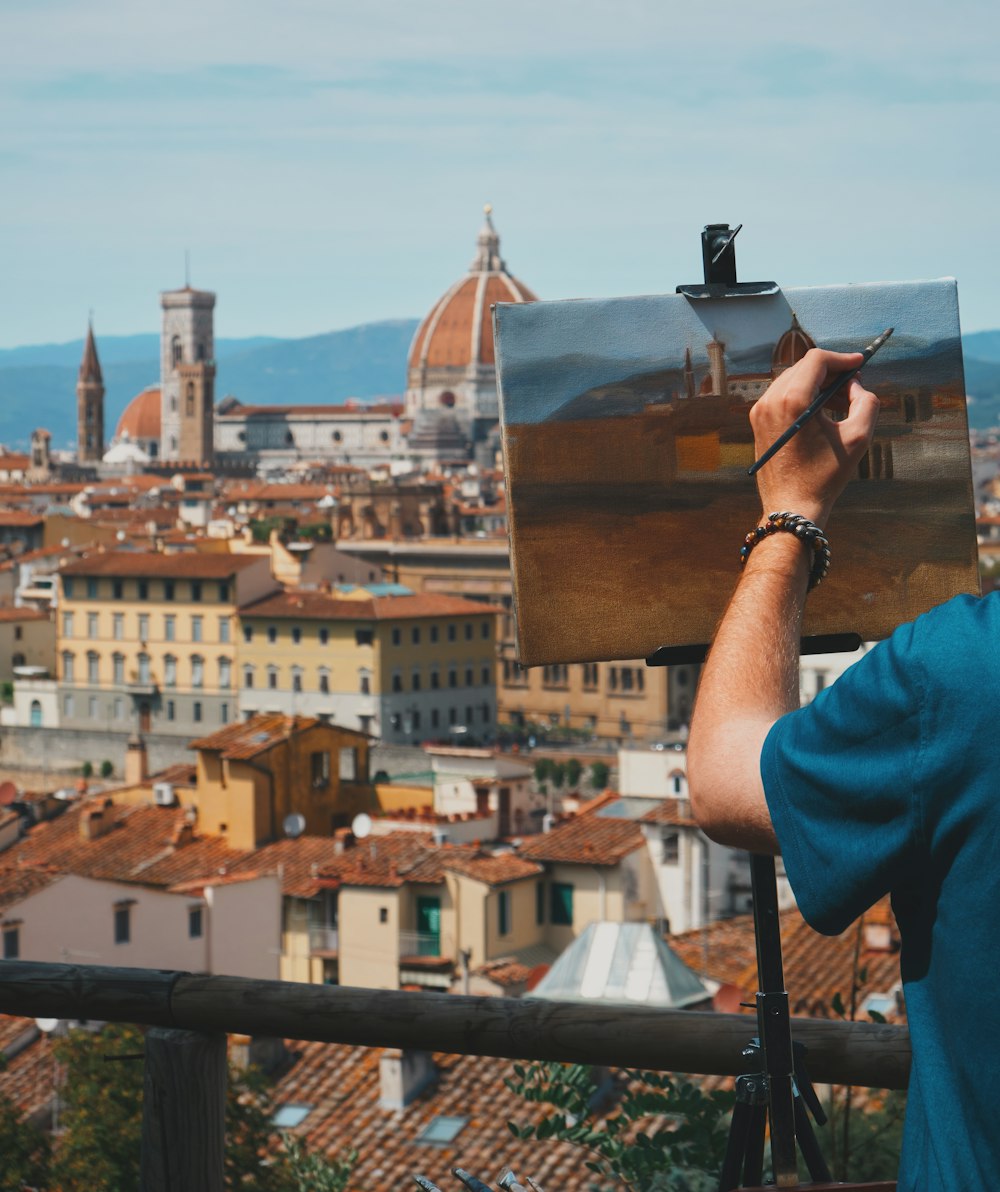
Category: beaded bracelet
<point>809,533</point>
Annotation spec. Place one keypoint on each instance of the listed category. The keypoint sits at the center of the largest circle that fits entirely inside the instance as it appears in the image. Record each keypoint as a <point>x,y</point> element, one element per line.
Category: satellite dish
<point>294,825</point>
<point>361,825</point>
<point>120,535</point>
<point>46,1025</point>
<point>8,793</point>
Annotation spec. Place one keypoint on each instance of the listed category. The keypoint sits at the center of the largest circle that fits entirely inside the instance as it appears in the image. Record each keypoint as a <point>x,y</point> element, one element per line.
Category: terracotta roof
<point>494,869</point>
<point>184,565</point>
<point>329,606</point>
<point>815,966</point>
<point>20,517</point>
<point>302,864</point>
<point>27,1077</point>
<point>341,1085</point>
<point>586,840</point>
<point>12,461</point>
<point>16,884</point>
<point>25,613</point>
<point>344,410</point>
<point>141,417</point>
<point>143,843</point>
<point>245,739</point>
<point>671,811</point>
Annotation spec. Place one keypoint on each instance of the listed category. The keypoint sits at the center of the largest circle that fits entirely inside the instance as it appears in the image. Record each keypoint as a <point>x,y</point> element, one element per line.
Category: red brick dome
<point>141,417</point>
<point>458,331</point>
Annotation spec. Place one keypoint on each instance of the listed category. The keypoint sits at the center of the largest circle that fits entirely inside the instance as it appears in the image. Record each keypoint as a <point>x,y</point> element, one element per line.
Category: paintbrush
<point>820,400</point>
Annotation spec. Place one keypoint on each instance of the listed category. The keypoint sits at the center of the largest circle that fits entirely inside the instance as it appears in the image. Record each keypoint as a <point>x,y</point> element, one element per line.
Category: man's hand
<point>808,474</point>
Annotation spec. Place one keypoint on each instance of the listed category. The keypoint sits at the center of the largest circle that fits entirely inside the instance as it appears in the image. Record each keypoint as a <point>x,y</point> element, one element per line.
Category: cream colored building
<point>404,667</point>
<point>149,640</point>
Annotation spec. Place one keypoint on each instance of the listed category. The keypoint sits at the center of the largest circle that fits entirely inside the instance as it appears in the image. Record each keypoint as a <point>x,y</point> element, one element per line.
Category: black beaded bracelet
<point>810,534</point>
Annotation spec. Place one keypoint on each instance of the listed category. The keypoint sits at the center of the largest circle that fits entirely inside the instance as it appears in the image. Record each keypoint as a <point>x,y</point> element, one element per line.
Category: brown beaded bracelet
<point>808,532</point>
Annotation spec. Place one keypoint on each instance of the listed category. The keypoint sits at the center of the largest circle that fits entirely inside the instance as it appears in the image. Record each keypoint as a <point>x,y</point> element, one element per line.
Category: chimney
<point>136,761</point>
<point>96,822</point>
<point>403,1076</point>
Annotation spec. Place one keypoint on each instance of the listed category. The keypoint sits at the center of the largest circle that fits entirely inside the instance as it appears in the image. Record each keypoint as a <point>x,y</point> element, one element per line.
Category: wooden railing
<point>185,1063</point>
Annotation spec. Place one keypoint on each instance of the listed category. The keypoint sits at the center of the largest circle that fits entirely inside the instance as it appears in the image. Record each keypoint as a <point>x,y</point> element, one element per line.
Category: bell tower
<point>187,375</point>
<point>90,404</point>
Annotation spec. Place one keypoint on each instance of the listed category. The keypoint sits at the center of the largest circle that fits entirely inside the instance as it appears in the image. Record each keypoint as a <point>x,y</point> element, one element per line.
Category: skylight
<point>442,1129</point>
<point>291,1115</point>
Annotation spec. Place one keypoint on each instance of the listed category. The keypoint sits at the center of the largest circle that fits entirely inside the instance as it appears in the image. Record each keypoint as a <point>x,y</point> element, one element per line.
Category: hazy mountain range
<point>38,382</point>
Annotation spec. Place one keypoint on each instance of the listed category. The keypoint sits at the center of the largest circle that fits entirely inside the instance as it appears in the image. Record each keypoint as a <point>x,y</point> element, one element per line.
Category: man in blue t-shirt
<point>887,782</point>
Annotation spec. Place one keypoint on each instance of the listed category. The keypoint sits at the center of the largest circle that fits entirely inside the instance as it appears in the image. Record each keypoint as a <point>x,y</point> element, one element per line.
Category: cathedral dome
<point>458,331</point>
<point>140,419</point>
<point>792,346</point>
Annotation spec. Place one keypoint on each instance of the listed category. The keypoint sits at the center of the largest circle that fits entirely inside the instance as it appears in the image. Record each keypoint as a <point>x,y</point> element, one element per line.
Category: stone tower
<point>90,405</point>
<point>187,375</point>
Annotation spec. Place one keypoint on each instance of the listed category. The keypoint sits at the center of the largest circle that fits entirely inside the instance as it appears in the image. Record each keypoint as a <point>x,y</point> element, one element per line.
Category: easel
<point>777,1089</point>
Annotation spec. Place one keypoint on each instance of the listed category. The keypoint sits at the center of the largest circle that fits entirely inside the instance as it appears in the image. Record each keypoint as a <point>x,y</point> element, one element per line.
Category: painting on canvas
<point>626,434</point>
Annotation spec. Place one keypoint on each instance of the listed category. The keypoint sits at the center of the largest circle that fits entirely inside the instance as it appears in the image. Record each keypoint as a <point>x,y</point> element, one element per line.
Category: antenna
<point>187,269</point>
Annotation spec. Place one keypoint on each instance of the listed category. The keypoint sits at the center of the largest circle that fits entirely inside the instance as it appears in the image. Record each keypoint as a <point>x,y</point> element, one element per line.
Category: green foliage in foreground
<point>683,1152</point>
<point>24,1151</point>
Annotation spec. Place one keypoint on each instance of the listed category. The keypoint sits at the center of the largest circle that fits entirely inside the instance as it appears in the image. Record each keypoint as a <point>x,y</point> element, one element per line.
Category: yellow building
<point>402,666</point>
<point>270,775</point>
<point>148,639</point>
<point>617,701</point>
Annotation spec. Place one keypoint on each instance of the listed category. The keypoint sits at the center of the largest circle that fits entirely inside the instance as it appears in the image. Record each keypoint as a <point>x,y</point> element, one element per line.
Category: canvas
<point>626,437</point>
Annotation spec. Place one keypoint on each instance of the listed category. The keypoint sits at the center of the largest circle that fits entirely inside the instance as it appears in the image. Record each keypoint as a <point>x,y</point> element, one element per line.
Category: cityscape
<point>342,846</point>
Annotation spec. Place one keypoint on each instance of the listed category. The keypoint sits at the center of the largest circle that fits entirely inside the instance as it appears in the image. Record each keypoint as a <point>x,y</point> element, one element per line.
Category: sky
<point>325,164</point>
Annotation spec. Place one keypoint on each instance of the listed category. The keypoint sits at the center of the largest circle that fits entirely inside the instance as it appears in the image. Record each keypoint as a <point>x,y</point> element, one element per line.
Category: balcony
<point>323,939</point>
<point>137,686</point>
<point>426,946</point>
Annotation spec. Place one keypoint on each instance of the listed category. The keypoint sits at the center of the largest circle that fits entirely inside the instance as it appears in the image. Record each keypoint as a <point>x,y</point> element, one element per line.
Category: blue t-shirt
<point>890,782</point>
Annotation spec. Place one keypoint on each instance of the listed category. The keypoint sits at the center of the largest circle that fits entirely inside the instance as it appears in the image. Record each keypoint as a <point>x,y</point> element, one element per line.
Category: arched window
<point>17,660</point>
<point>35,715</point>
<point>68,666</point>
<point>248,677</point>
<point>169,670</point>
<point>176,353</point>
<point>189,401</point>
<point>225,673</point>
<point>143,668</point>
<point>197,670</point>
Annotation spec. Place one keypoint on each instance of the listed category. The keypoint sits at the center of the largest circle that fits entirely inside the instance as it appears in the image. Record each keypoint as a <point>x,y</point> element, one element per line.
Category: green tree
<point>665,1135</point>
<point>573,771</point>
<point>543,768</point>
<point>107,768</point>
<point>24,1151</point>
<point>558,773</point>
<point>87,769</point>
<point>599,775</point>
<point>309,1172</point>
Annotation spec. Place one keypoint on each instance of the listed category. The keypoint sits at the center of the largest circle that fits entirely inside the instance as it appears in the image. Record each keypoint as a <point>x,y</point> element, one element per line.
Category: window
<point>248,677</point>
<point>539,904</point>
<point>123,924</point>
<point>118,626</point>
<point>143,668</point>
<point>169,670</point>
<point>468,631</point>
<point>383,914</point>
<point>119,708</point>
<point>452,676</point>
<point>248,633</point>
<point>470,678</point>
<point>415,680</point>
<point>434,633</point>
<point>168,589</point>
<point>296,678</point>
<point>364,637</point>
<point>195,922</point>
<point>324,636</point>
<point>349,764</point>
<point>561,904</point>
<point>197,670</point>
<point>175,350</point>
<point>272,634</point>
<point>93,667</point>
<point>484,630</point>
<point>435,678</point>
<point>503,912</point>
<point>435,718</point>
<point>11,943</point>
<point>189,397</point>
<point>319,768</point>
<point>296,635</point>
<point>486,676</point>
<point>397,681</point>
<point>590,675</point>
<point>92,588</point>
<point>169,628</point>
<point>92,626</point>
<point>272,678</point>
<point>92,708</point>
<point>117,589</point>
<point>68,667</point>
<point>196,712</point>
<point>289,1116</point>
<point>171,710</point>
<point>366,684</point>
<point>397,637</point>
<point>224,713</point>
<point>451,633</point>
<point>670,853</point>
<point>196,589</point>
<point>415,635</point>
<point>196,629</point>
<point>67,622</point>
<point>223,629</point>
<point>225,674</point>
<point>35,715</point>
<point>143,589</point>
<point>324,682</point>
<point>69,707</point>
<point>395,720</point>
<point>442,1130</point>
<point>67,586</point>
<point>223,591</point>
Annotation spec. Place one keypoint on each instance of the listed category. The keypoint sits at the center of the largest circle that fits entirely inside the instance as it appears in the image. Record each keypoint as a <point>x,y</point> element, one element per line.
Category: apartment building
<point>403,666</point>
<point>148,640</point>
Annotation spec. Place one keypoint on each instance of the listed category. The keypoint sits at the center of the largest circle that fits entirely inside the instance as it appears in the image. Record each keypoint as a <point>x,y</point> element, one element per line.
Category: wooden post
<point>183,1112</point>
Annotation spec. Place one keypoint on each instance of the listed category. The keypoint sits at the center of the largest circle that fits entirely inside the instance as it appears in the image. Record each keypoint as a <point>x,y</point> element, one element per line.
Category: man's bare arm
<point>751,676</point>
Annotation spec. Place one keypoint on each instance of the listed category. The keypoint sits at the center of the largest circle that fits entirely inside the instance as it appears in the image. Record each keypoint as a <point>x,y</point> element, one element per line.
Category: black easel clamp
<point>718,255</point>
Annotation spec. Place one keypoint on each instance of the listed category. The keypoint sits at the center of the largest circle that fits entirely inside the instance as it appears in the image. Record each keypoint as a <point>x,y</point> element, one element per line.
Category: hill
<point>38,383</point>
